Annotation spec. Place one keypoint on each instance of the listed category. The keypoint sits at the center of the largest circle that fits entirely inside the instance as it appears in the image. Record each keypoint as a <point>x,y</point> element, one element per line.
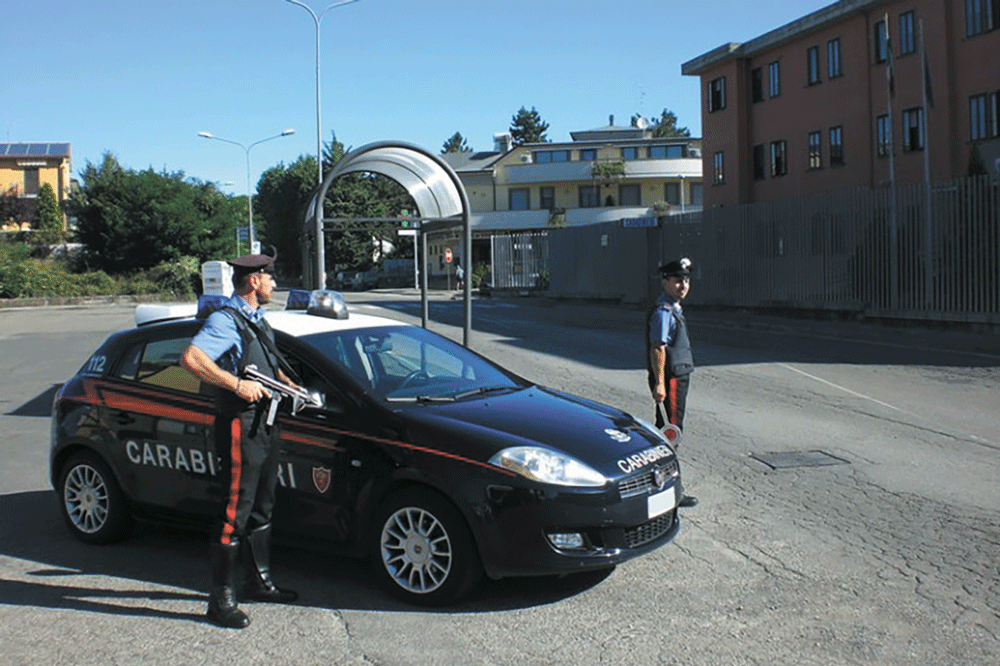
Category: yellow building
<point>25,167</point>
<point>607,174</point>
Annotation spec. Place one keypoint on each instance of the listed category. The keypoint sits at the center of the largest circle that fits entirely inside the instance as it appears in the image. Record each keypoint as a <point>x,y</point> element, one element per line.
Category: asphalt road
<point>849,513</point>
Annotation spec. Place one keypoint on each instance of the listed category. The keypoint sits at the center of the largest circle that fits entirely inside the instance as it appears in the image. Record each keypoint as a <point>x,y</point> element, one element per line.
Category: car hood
<point>591,432</point>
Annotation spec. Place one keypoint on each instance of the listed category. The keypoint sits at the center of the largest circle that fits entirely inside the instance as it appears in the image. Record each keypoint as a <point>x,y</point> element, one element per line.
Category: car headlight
<point>547,466</point>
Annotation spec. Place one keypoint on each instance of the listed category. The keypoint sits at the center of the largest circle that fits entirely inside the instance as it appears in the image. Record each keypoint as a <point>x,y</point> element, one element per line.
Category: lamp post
<point>320,238</point>
<point>246,149</point>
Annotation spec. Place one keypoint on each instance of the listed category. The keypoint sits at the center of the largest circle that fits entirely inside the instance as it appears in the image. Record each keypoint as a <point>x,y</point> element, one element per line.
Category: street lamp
<point>320,238</point>
<point>317,18</point>
<point>246,149</point>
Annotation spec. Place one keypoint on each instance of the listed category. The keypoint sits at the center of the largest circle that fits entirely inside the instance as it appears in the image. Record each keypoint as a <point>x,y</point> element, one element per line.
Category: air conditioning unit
<point>526,158</point>
<point>694,152</point>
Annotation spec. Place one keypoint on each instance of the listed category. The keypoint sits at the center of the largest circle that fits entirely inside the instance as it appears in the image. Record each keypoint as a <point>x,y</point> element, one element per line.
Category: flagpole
<point>928,216</point>
<point>893,277</point>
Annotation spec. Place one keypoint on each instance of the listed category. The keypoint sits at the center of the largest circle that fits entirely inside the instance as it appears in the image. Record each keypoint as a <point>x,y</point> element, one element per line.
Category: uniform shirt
<point>663,324</point>
<point>220,339</point>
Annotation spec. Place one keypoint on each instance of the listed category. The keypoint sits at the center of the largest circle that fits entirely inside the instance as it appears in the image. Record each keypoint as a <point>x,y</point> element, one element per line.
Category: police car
<point>418,453</point>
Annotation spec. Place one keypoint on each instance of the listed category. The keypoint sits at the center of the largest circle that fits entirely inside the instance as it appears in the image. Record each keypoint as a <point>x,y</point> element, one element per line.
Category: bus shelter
<point>436,190</point>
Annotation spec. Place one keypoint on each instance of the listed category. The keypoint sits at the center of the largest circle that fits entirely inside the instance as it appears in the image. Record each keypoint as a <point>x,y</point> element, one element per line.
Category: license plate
<point>660,503</point>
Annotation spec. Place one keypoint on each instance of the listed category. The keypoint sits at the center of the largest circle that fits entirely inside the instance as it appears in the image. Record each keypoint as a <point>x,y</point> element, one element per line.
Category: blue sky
<point>140,78</point>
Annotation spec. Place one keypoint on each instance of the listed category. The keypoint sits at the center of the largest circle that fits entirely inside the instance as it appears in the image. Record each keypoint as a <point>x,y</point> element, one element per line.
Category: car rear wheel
<point>91,501</point>
<point>425,553</point>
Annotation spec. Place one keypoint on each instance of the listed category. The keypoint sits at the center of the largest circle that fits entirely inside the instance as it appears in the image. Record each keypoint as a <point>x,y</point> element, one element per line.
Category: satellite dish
<point>641,122</point>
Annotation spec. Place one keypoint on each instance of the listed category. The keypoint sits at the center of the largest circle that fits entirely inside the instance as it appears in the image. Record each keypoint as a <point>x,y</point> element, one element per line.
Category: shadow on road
<point>165,557</point>
<point>40,405</point>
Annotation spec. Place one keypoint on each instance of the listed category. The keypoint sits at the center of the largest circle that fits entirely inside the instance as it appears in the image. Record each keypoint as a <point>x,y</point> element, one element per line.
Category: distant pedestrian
<point>669,361</point>
<point>459,275</point>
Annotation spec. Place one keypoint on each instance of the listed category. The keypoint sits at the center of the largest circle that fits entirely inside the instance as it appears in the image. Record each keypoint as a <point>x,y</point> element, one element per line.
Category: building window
<point>672,193</point>
<point>983,112</point>
<point>913,129</point>
<point>696,194</point>
<point>520,198</point>
<point>717,94</point>
<point>31,182</point>
<point>981,16</point>
<point>667,152</point>
<point>812,67</point>
<point>815,150</point>
<point>718,174</point>
<point>630,153</point>
<point>758,162</point>
<point>833,68</point>
<point>588,154</point>
<point>779,158</point>
<point>881,42</point>
<point>837,146</point>
<point>547,198</point>
<point>756,85</point>
<point>589,196</point>
<point>546,156</point>
<point>628,195</point>
<point>883,136</point>
<point>774,79</point>
<point>907,33</point>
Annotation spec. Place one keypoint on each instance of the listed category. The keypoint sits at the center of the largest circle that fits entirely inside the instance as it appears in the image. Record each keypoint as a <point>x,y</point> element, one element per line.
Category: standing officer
<point>669,361</point>
<point>233,337</point>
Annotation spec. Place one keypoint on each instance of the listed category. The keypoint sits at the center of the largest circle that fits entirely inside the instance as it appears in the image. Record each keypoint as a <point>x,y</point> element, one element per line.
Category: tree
<point>130,221</point>
<point>527,127</point>
<point>48,219</point>
<point>456,144</point>
<point>665,126</point>
<point>282,196</point>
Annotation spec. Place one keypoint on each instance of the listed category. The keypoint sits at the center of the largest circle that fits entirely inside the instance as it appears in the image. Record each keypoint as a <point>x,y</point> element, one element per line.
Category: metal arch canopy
<point>432,183</point>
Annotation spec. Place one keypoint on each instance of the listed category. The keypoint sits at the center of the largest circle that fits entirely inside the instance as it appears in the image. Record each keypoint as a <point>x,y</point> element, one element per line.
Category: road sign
<point>447,254</point>
<point>242,233</point>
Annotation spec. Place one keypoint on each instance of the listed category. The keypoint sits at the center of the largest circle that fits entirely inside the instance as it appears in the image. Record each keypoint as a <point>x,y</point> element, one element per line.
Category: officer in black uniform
<point>232,338</point>
<point>669,361</point>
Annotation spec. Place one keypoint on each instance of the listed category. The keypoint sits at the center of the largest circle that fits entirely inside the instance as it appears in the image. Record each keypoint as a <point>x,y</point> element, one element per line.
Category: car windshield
<point>410,364</point>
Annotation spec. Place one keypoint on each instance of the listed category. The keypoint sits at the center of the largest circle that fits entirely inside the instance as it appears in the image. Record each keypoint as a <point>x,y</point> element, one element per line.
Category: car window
<point>407,361</point>
<point>158,363</point>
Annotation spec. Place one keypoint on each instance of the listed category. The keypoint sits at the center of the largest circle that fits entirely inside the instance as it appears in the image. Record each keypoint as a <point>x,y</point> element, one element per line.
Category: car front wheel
<point>91,501</point>
<point>425,553</point>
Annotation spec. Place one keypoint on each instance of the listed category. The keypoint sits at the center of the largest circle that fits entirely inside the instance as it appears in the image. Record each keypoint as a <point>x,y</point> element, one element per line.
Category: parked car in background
<point>343,281</point>
<point>366,280</point>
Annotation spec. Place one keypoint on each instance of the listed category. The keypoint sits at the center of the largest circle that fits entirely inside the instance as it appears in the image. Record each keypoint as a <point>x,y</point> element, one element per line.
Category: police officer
<point>232,338</point>
<point>669,361</point>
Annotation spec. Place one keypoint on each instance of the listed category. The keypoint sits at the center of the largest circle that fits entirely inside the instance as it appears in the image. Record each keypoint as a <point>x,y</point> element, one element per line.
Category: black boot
<point>222,608</point>
<point>260,586</point>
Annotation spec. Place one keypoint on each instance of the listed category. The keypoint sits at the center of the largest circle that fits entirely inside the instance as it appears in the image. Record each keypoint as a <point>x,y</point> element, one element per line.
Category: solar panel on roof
<point>58,149</point>
<point>18,149</point>
<point>38,148</point>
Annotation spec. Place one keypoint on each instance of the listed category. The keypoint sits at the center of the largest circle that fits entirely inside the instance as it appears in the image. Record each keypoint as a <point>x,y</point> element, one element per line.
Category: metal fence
<point>521,261</point>
<point>863,250</point>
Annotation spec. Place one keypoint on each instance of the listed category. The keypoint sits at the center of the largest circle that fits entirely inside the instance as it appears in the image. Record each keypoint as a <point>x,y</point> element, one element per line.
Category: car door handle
<point>124,418</point>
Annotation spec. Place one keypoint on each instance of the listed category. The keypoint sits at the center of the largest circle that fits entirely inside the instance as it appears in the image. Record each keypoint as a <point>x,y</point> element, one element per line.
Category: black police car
<point>433,461</point>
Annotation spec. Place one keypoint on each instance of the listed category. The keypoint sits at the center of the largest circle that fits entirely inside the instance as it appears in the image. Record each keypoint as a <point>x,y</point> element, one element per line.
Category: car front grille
<point>643,534</point>
<point>642,484</point>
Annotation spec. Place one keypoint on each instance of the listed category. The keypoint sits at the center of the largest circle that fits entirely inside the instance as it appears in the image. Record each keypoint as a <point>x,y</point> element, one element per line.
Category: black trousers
<point>675,403</point>
<point>249,472</point>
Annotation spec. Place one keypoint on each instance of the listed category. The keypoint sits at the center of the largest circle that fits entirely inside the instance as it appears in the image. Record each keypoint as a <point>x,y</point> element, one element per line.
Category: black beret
<point>677,268</point>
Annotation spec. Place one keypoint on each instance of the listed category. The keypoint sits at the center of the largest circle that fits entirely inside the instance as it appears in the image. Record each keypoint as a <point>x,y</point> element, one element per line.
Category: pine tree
<point>528,127</point>
<point>48,218</point>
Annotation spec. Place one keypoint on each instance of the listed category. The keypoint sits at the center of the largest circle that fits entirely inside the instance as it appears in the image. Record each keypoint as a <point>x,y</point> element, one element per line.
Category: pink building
<point>806,108</point>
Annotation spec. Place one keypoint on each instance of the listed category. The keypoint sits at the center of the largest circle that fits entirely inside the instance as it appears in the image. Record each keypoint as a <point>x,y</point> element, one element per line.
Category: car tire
<point>422,548</point>
<point>91,500</point>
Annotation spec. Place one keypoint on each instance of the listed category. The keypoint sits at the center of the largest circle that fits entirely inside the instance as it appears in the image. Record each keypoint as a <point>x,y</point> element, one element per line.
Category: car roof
<point>293,322</point>
<point>298,323</point>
